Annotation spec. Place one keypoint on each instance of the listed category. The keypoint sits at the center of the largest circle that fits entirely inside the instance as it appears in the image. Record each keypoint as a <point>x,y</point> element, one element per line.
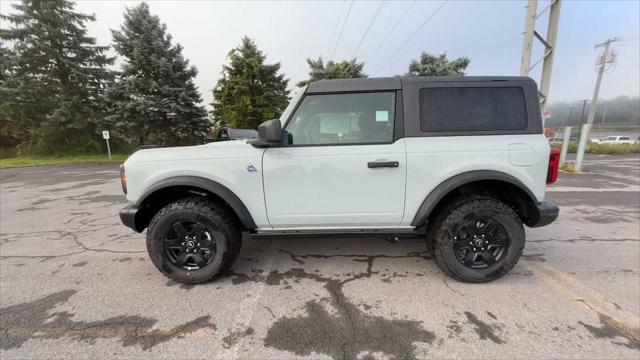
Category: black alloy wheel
<point>190,245</point>
<point>480,242</point>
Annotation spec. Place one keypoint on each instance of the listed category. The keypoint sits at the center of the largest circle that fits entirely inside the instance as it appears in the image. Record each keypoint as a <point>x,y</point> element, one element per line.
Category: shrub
<point>597,148</point>
<point>53,141</point>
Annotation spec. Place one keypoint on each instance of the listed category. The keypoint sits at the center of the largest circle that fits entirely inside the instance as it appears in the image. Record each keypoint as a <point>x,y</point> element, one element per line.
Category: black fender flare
<point>209,185</point>
<point>440,191</point>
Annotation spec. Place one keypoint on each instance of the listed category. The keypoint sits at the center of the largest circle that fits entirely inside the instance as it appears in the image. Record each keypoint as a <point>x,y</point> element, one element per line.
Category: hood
<point>214,150</point>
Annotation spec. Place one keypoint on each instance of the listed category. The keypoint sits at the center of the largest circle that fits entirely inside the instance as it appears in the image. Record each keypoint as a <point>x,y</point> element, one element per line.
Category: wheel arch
<point>170,189</point>
<point>493,183</point>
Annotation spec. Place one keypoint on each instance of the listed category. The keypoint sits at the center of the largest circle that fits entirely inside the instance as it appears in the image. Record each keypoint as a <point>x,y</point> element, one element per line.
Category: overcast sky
<point>489,33</point>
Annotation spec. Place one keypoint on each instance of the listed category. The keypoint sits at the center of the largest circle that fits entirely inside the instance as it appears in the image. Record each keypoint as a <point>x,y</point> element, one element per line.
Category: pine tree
<point>154,98</point>
<point>333,70</point>
<point>430,65</point>
<point>249,91</point>
<point>54,75</point>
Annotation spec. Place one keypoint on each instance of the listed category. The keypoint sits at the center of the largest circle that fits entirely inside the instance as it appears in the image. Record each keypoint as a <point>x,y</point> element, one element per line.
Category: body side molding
<point>440,191</point>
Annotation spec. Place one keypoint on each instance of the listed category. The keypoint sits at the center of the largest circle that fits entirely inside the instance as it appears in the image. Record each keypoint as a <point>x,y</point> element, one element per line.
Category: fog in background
<point>489,33</point>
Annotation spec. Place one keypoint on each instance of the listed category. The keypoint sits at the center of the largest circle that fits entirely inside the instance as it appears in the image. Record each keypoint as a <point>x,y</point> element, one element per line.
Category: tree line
<point>57,90</point>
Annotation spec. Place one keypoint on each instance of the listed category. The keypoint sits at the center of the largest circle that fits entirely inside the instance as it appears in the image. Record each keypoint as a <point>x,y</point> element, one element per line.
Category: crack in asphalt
<point>55,235</point>
<point>350,332</point>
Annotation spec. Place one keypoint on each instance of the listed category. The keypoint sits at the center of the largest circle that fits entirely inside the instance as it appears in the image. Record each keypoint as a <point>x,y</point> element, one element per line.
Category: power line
<point>373,19</point>
<point>335,28</point>
<point>391,31</point>
<point>346,18</point>
<point>412,36</point>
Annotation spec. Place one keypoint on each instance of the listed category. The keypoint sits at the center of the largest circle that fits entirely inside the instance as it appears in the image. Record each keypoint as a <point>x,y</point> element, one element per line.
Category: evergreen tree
<point>430,65</point>
<point>332,70</point>
<point>249,91</point>
<point>154,98</point>
<point>54,76</point>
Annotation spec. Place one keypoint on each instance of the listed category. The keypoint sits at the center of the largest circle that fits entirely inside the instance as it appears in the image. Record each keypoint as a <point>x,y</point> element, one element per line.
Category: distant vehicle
<point>614,139</point>
<point>460,162</point>
<point>237,134</point>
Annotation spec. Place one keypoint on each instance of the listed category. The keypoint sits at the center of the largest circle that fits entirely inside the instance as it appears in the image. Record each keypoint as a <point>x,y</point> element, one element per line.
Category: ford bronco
<point>461,162</point>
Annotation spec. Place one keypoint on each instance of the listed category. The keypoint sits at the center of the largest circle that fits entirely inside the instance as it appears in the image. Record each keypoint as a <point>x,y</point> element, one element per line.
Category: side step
<point>393,235</point>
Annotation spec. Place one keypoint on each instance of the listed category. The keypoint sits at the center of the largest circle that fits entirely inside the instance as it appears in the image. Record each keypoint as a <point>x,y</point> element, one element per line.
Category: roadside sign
<point>105,135</point>
<point>546,114</point>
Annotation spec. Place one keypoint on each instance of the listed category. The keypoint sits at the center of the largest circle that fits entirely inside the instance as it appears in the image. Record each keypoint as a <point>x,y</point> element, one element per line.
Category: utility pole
<point>604,59</point>
<point>584,106</point>
<point>549,46</point>
<point>568,116</point>
<point>604,114</point>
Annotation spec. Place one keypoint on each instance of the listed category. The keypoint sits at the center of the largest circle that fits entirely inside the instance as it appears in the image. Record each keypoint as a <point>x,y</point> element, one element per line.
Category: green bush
<point>597,148</point>
<point>56,142</point>
<point>8,152</point>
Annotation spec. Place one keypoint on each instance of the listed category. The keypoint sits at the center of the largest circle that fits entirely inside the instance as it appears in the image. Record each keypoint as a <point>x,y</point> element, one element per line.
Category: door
<point>341,168</point>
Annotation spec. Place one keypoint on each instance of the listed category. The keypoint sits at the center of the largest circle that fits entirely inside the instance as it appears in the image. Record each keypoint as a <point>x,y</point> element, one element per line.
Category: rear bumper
<point>128,216</point>
<point>541,214</point>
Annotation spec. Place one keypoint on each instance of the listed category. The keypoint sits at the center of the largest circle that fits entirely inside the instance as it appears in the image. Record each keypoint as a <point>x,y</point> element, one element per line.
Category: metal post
<point>604,114</point>
<point>527,45</point>
<point>565,145</point>
<point>108,149</point>
<point>586,128</point>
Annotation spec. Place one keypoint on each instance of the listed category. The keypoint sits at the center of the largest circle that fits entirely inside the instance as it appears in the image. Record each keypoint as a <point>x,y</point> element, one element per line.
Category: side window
<point>359,118</point>
<point>472,109</point>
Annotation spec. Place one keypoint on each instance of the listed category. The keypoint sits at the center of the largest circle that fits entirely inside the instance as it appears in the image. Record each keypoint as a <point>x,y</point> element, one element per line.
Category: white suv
<point>459,161</point>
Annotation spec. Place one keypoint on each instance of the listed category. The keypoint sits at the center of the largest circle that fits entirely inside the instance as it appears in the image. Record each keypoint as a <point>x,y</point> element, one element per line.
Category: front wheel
<point>193,240</point>
<point>478,239</point>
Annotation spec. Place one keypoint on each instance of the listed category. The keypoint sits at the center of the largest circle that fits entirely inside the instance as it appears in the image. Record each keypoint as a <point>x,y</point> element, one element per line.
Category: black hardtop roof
<point>396,83</point>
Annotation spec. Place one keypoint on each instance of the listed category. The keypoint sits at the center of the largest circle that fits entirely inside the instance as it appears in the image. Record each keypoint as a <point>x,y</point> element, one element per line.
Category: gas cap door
<point>521,155</point>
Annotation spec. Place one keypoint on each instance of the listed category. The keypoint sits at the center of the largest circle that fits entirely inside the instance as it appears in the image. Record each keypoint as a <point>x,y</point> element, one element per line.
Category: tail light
<point>123,179</point>
<point>554,164</point>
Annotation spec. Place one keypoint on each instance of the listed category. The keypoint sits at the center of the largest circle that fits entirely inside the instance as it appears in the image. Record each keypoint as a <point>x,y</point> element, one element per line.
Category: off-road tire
<point>215,217</point>
<point>445,223</point>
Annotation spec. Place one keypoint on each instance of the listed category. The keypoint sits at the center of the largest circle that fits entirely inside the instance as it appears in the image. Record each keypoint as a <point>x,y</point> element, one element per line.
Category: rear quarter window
<point>451,109</point>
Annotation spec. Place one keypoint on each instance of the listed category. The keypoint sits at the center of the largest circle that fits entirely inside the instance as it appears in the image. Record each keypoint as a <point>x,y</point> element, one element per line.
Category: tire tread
<point>452,214</point>
<point>212,210</point>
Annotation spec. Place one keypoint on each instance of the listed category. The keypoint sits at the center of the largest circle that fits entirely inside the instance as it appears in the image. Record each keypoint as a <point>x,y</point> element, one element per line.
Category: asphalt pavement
<point>75,283</point>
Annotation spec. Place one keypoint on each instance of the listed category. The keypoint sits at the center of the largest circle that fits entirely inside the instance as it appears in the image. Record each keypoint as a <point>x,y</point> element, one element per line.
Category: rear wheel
<point>477,239</point>
<point>193,240</point>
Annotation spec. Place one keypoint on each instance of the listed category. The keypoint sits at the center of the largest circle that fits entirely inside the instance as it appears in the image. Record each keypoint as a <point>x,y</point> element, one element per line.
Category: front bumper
<point>541,214</point>
<point>128,216</point>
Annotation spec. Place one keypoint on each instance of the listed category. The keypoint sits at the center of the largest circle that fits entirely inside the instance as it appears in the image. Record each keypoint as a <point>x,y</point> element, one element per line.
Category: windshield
<point>292,104</point>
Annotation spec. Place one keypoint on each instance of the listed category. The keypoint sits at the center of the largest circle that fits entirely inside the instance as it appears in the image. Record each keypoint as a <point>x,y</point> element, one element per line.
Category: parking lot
<point>75,283</point>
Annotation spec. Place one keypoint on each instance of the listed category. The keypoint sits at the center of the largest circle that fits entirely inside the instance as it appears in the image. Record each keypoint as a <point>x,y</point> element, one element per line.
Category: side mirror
<point>269,134</point>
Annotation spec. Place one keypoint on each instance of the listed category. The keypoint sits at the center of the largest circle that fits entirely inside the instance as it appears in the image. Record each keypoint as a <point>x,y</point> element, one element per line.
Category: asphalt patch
<point>35,320</point>
<point>485,331</point>
<point>349,332</point>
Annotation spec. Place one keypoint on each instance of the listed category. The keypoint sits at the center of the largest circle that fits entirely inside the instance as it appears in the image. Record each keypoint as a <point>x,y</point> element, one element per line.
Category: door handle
<point>382,163</point>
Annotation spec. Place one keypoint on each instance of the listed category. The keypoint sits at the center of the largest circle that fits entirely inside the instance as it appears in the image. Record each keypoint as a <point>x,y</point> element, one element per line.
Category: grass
<point>569,167</point>
<point>22,161</point>
<point>596,148</point>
